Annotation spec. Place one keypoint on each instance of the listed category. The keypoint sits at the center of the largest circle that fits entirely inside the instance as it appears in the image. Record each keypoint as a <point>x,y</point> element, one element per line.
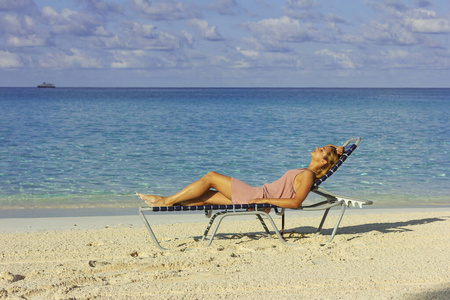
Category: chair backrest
<point>348,149</point>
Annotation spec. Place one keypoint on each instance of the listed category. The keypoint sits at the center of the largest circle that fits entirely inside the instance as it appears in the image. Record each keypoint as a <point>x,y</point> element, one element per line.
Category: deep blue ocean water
<point>97,147</point>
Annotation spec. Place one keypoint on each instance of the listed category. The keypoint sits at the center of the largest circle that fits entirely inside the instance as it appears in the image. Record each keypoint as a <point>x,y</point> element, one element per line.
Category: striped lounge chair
<point>257,210</point>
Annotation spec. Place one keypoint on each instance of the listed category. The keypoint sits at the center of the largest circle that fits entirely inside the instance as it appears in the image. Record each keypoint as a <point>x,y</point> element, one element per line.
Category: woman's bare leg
<point>195,190</point>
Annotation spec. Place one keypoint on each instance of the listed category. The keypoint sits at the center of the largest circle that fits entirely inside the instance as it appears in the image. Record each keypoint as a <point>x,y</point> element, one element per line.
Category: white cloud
<point>187,37</point>
<point>389,34</point>
<point>301,4</point>
<point>139,59</point>
<point>102,7</point>
<point>424,20</point>
<point>144,30</point>
<point>429,25</point>
<point>9,60</point>
<point>219,60</point>
<point>165,10</point>
<point>341,60</point>
<point>403,25</point>
<point>165,41</point>
<point>126,59</point>
<point>73,22</point>
<point>241,64</point>
<point>266,45</point>
<point>248,53</point>
<point>27,6</point>
<point>143,36</point>
<point>389,59</point>
<point>283,29</point>
<point>21,31</point>
<point>226,7</point>
<point>112,42</point>
<point>74,59</point>
<point>147,36</point>
<point>396,53</point>
<point>25,41</point>
<point>304,10</point>
<point>208,32</point>
<point>250,59</point>
<point>284,60</point>
<point>13,24</point>
<point>101,31</point>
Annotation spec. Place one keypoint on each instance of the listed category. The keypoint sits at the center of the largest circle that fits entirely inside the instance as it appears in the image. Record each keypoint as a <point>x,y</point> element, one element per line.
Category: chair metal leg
<point>337,223</point>
<point>221,217</point>
<point>150,231</point>
<point>211,221</point>
<point>263,223</point>
<point>325,214</point>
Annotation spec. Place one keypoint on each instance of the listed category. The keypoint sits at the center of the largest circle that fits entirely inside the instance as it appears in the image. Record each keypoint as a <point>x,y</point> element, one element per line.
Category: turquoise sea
<point>95,147</point>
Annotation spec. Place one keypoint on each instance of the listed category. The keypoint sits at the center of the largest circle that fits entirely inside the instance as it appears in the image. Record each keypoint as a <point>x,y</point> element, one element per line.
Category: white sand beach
<point>377,254</point>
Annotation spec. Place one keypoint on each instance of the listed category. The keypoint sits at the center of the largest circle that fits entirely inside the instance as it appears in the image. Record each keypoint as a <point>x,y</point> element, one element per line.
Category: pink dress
<point>242,193</point>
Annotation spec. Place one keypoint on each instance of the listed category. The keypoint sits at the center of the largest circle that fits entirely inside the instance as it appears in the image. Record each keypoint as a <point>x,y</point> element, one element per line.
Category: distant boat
<point>46,85</point>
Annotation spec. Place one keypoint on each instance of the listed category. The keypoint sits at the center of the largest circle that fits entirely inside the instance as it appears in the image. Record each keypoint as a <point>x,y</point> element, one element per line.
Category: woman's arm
<point>306,180</point>
<point>282,202</point>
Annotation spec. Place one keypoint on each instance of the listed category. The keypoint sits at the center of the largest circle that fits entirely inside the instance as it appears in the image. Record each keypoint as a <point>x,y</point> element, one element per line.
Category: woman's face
<point>319,153</point>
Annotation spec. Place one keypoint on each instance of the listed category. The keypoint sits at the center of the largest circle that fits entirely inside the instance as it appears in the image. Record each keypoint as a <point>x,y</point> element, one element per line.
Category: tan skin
<point>200,193</point>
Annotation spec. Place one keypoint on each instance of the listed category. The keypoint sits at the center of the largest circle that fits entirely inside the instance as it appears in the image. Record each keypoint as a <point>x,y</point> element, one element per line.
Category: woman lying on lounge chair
<point>289,191</point>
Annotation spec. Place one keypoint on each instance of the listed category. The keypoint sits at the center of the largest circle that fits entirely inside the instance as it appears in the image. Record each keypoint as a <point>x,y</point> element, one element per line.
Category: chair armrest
<point>348,200</point>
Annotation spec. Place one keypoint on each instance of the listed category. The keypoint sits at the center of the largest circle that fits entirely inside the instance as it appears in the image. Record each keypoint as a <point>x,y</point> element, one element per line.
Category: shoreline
<point>34,220</point>
<point>44,212</point>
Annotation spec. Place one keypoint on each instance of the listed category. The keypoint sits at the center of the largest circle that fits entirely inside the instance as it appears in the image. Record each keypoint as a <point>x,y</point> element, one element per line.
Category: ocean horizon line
<point>228,87</point>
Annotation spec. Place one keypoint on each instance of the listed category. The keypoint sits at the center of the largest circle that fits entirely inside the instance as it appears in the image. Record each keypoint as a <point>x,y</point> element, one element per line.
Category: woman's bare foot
<point>152,200</point>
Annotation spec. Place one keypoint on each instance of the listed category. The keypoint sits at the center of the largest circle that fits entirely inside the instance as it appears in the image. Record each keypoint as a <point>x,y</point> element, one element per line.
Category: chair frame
<point>257,210</point>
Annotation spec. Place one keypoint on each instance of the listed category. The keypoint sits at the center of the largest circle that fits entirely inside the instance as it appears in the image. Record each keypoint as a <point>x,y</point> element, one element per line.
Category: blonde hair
<point>331,157</point>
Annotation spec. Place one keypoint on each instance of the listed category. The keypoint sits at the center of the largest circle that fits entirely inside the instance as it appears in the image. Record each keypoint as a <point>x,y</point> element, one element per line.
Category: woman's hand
<point>256,201</point>
<point>339,150</point>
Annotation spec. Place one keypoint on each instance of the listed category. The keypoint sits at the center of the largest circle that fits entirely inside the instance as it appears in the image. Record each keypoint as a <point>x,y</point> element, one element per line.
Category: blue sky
<point>225,43</point>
